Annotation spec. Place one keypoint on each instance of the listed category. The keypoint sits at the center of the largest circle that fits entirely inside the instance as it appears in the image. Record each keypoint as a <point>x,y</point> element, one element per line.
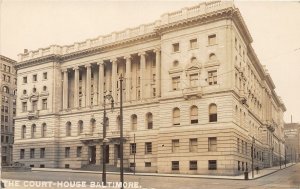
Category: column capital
<point>87,65</point>
<point>75,68</point>
<point>156,50</point>
<point>64,70</point>
<point>101,62</point>
<point>128,56</point>
<point>113,60</point>
<point>142,53</point>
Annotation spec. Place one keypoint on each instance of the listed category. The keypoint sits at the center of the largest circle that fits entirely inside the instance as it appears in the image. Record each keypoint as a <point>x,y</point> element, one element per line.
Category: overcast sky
<point>274,26</point>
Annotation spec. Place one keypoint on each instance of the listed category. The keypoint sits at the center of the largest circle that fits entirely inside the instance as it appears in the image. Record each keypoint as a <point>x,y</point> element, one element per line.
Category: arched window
<point>68,128</point>
<point>24,92</point>
<point>176,116</point>
<point>193,60</point>
<point>212,56</point>
<point>6,89</point>
<point>15,92</point>
<point>149,120</point>
<point>118,123</point>
<point>44,88</point>
<point>134,122</point>
<point>175,63</point>
<point>34,90</point>
<point>213,115</point>
<point>33,130</point>
<point>93,125</point>
<point>23,134</point>
<point>194,114</point>
<point>80,127</point>
<point>44,130</point>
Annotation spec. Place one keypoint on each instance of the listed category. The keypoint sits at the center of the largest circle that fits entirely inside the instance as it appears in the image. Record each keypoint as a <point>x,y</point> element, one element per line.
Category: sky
<point>274,27</point>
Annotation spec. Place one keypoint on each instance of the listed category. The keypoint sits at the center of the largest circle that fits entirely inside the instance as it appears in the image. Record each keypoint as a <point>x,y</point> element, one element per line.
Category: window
<point>212,77</point>
<point>239,165</point>
<point>23,134</point>
<point>193,165</point>
<point>44,104</point>
<point>24,79</point>
<point>213,116</point>
<point>153,92</point>
<point>193,145</point>
<point>175,63</point>
<point>68,128</point>
<point>149,118</point>
<point>193,43</point>
<point>175,47</point>
<point>235,43</point>
<point>24,106</point>
<point>31,152</point>
<point>175,145</point>
<point>148,147</point>
<point>45,75</point>
<point>212,39</point>
<point>6,109</point>
<point>176,116</point>
<point>33,131</point>
<point>6,89</point>
<point>238,145</point>
<point>147,164</point>
<point>44,88</point>
<point>194,114</point>
<point>34,105</point>
<point>34,78</point>
<point>194,80</point>
<point>175,165</point>
<point>80,90</point>
<point>212,164</point>
<point>134,122</point>
<point>67,152</point>
<point>24,92</point>
<point>44,130</point>
<point>153,78</point>
<point>6,119</point>
<point>22,153</point>
<point>79,149</point>
<point>212,144</point>
<point>212,57</point>
<point>80,127</point>
<point>118,123</point>
<point>132,148</point>
<point>42,153</point>
<point>175,83</point>
<point>93,125</point>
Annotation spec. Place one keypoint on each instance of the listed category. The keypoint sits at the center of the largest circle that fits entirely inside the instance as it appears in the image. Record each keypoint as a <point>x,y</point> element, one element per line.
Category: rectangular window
<point>193,43</point>
<point>148,147</point>
<point>153,78</point>
<point>44,105</point>
<point>6,119</point>
<point>193,165</point>
<point>175,165</point>
<point>34,105</point>
<point>147,164</point>
<point>212,164</point>
<point>34,78</point>
<point>153,92</point>
<point>194,80</point>
<point>212,144</point>
<point>238,145</point>
<point>67,152</point>
<point>193,145</point>
<point>175,83</point>
<point>132,148</point>
<point>212,39</point>
<point>24,79</point>
<point>45,76</point>
<point>175,47</point>
<point>175,145</point>
<point>6,109</point>
<point>32,153</point>
<point>42,153</point>
<point>22,153</point>
<point>79,149</point>
<point>212,77</point>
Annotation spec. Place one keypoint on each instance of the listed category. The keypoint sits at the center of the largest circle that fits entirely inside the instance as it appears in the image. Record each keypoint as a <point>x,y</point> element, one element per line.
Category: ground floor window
<point>193,165</point>
<point>212,164</point>
<point>175,165</point>
<point>147,164</point>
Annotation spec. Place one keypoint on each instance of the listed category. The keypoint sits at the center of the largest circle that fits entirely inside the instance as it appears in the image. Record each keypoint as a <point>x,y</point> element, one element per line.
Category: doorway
<point>92,154</point>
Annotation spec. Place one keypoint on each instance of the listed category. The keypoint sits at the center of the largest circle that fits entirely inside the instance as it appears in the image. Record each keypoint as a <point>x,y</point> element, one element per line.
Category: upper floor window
<point>194,80</point>
<point>34,105</point>
<point>24,106</point>
<point>44,130</point>
<point>33,131</point>
<point>23,132</point>
<point>93,125</point>
<point>149,119</point>
<point>212,39</point>
<point>68,128</point>
<point>193,144</point>
<point>134,122</point>
<point>176,116</point>
<point>194,114</point>
<point>213,116</point>
<point>118,123</point>
<point>175,83</point>
<point>212,144</point>
<point>80,127</point>
<point>212,56</point>
<point>6,89</point>
<point>34,77</point>
<point>44,104</point>
<point>175,145</point>
<point>212,77</point>
<point>148,147</point>
<point>175,47</point>
<point>45,75</point>
<point>193,43</point>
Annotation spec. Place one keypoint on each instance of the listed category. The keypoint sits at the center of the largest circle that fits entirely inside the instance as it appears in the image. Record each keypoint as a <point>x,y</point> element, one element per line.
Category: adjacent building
<point>292,141</point>
<point>196,98</point>
<point>8,84</point>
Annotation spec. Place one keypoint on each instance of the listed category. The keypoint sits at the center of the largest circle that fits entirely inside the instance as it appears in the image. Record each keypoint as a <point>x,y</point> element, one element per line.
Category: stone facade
<point>196,98</point>
<point>8,84</point>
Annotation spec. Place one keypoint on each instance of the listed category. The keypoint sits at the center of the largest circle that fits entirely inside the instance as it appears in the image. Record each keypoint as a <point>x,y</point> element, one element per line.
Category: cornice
<point>6,59</point>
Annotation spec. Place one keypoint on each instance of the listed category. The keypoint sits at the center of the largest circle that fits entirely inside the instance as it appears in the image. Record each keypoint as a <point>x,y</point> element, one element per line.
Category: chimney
<point>25,51</point>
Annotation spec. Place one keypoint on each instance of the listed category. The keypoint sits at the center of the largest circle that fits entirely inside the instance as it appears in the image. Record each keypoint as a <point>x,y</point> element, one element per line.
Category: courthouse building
<point>196,98</point>
<point>8,84</point>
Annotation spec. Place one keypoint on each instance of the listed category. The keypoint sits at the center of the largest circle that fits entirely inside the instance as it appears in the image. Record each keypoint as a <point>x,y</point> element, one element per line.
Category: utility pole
<point>121,133</point>
<point>280,154</point>
<point>134,154</point>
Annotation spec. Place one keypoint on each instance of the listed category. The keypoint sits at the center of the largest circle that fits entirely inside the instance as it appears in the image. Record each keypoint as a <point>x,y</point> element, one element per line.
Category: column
<point>157,72</point>
<point>88,85</point>
<point>65,89</point>
<point>95,86</point>
<point>142,73</point>
<point>76,87</point>
<point>128,77</point>
<point>114,79</point>
<point>101,82</point>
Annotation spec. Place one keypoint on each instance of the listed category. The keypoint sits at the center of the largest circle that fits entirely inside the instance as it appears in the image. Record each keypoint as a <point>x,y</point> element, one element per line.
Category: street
<point>286,178</point>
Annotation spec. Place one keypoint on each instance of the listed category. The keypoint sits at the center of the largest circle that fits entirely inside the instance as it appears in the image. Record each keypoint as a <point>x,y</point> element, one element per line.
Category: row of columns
<point>113,79</point>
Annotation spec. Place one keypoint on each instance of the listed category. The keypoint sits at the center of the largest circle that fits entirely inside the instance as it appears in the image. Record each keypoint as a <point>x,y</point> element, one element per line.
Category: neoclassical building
<point>196,98</point>
<point>8,86</point>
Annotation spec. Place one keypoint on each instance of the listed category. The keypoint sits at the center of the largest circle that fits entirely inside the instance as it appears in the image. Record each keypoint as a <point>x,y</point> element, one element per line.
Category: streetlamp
<point>280,154</point>
<point>121,133</point>
<point>106,97</point>
<point>253,141</point>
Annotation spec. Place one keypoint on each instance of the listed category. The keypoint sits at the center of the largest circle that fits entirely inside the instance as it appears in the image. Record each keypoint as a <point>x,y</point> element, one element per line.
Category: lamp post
<point>121,133</point>
<point>279,155</point>
<point>106,97</point>
<point>252,166</point>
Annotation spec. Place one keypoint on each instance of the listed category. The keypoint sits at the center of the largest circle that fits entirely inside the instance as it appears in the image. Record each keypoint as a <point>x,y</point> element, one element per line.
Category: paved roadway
<point>288,178</point>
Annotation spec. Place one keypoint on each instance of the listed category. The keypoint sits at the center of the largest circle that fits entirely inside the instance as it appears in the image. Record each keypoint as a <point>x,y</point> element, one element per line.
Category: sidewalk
<point>261,173</point>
